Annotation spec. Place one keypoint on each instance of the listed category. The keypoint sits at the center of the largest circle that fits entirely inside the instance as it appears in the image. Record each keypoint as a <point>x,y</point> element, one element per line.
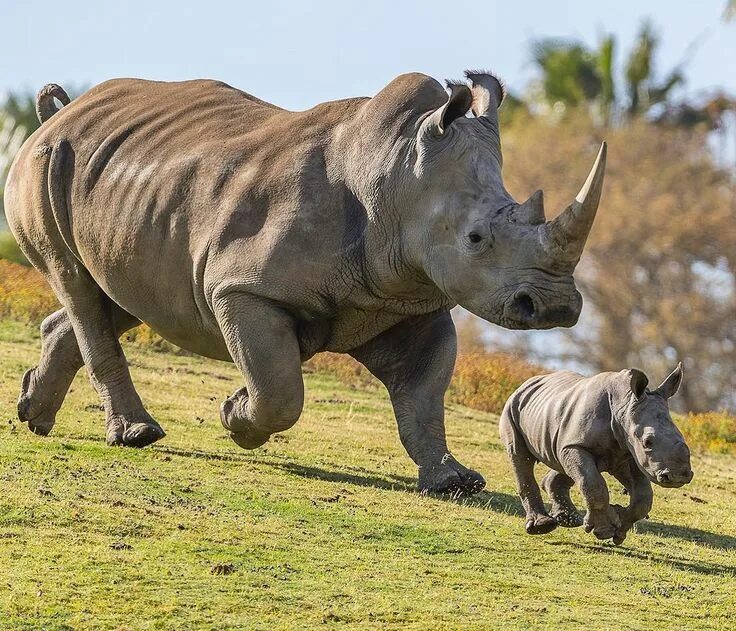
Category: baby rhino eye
<point>474,237</point>
<point>648,441</point>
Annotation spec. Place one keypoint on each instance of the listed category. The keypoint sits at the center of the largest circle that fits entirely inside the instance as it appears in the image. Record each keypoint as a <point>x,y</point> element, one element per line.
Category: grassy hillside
<point>321,527</point>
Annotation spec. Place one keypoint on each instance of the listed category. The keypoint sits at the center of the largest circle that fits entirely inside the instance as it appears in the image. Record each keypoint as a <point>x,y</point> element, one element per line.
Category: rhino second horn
<point>566,234</point>
<point>531,212</point>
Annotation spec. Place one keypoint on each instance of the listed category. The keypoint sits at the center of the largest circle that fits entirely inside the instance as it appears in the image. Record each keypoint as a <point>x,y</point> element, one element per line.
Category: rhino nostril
<point>525,305</point>
<point>664,476</point>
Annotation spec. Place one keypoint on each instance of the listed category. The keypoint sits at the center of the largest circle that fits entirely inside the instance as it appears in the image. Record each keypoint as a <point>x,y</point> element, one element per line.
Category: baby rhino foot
<point>449,476</point>
<point>40,415</point>
<point>602,523</point>
<point>627,523</point>
<point>568,518</point>
<point>540,524</point>
<point>128,432</point>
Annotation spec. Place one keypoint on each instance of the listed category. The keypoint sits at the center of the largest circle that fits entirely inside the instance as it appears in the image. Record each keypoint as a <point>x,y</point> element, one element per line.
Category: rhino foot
<point>604,524</point>
<point>126,433</point>
<point>40,421</point>
<point>449,476</point>
<point>246,436</point>
<point>540,524</point>
<point>568,519</point>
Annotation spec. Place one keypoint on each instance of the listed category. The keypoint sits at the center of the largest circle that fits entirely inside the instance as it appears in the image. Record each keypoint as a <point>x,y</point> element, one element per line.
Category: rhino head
<point>497,258</point>
<point>646,426</point>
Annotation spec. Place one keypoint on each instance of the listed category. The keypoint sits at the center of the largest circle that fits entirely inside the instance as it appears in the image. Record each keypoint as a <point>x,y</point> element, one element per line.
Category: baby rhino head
<point>653,439</point>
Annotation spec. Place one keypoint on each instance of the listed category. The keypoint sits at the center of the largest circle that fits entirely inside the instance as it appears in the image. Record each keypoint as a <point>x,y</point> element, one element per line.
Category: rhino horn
<point>531,212</point>
<point>566,235</point>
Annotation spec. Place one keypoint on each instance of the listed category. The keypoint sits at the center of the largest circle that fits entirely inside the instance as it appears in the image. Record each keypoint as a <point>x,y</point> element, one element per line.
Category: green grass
<point>321,528</point>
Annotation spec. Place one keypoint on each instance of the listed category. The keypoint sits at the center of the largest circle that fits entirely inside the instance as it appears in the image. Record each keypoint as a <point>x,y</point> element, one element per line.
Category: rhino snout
<point>525,310</point>
<point>674,478</point>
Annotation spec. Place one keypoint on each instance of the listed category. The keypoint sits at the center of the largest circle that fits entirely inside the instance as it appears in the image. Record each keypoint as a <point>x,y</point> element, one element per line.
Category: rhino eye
<point>648,441</point>
<point>475,237</point>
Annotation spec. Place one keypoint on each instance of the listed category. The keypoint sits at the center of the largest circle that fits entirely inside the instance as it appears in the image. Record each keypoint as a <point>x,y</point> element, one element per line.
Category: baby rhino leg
<point>601,518</point>
<point>538,522</point>
<point>558,485</point>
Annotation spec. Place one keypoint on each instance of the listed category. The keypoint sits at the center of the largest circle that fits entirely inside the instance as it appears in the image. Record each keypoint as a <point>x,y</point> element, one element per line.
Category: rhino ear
<point>638,382</point>
<point>669,387</point>
<point>457,106</point>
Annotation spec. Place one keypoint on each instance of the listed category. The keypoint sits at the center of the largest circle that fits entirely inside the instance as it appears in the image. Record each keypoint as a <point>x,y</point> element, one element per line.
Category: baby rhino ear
<point>638,382</point>
<point>671,385</point>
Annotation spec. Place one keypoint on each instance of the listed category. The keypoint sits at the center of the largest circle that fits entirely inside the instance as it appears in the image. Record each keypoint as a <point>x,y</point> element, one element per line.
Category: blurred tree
<point>659,271</point>
<point>574,75</point>
<point>470,331</point>
<point>730,11</point>
<point>643,90</point>
<point>569,72</point>
<point>18,120</point>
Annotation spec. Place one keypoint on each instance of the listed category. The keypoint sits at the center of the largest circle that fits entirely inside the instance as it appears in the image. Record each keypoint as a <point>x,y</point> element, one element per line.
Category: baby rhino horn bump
<point>566,235</point>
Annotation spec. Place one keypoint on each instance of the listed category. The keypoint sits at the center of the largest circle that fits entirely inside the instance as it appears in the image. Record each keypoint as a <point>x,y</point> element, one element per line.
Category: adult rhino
<point>248,233</point>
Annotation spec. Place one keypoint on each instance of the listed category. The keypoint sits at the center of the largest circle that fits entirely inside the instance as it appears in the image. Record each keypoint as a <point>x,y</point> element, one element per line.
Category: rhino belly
<point>155,278</point>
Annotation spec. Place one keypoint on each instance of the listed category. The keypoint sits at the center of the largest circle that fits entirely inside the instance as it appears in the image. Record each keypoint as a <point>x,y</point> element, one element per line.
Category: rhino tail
<point>45,106</point>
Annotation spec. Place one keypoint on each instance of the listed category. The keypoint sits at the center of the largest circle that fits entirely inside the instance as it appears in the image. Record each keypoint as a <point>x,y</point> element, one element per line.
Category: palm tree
<point>643,90</point>
<point>569,72</point>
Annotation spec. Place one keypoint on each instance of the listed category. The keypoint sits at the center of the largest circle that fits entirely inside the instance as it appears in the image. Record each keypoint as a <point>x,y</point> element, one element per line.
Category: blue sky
<point>299,53</point>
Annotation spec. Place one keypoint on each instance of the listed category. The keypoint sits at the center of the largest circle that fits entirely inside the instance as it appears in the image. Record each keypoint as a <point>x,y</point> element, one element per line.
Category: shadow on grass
<point>496,501</point>
<point>695,535</point>
<point>202,454</point>
<point>699,567</point>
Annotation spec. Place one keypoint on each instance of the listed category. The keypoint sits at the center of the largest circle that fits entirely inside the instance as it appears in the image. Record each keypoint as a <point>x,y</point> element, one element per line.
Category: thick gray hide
<point>582,426</point>
<point>248,233</point>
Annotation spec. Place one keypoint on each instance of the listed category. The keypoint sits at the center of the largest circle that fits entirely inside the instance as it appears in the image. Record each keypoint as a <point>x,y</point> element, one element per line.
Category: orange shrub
<point>24,294</point>
<point>344,367</point>
<point>710,431</point>
<point>484,381</point>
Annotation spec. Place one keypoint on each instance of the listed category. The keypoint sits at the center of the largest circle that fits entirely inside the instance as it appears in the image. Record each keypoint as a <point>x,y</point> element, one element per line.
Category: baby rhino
<point>581,426</point>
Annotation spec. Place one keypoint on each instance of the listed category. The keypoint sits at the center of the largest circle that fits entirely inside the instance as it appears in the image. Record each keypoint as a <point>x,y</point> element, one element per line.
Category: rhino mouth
<point>525,310</point>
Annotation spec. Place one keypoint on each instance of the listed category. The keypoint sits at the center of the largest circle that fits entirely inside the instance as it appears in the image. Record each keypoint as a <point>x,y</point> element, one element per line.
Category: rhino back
<point>563,409</point>
<point>174,187</point>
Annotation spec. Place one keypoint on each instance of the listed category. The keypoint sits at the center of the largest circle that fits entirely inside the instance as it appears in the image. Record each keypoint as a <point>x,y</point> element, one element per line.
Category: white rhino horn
<point>566,235</point>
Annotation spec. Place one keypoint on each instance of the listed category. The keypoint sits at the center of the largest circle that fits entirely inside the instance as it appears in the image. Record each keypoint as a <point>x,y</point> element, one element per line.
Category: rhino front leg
<point>602,519</point>
<point>640,499</point>
<point>262,341</point>
<point>558,485</point>
<point>415,360</point>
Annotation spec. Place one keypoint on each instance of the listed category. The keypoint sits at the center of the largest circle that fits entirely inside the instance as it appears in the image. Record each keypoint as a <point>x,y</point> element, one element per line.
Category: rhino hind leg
<point>538,521</point>
<point>44,387</point>
<point>262,341</point>
<point>93,320</point>
<point>557,485</point>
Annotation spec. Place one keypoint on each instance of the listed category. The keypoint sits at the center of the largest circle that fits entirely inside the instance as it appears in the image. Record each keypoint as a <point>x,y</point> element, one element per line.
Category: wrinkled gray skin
<point>581,426</point>
<point>248,233</point>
